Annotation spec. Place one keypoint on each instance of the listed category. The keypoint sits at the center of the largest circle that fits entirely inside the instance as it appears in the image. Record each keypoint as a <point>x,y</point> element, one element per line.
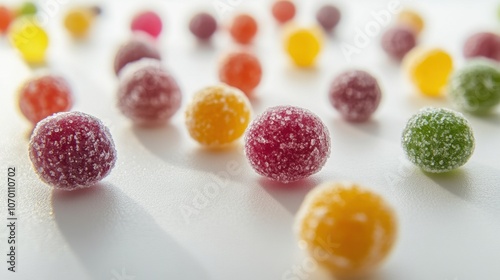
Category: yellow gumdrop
<point>29,39</point>
<point>218,115</point>
<point>413,19</point>
<point>303,45</point>
<point>345,228</point>
<point>429,70</point>
<point>78,21</point>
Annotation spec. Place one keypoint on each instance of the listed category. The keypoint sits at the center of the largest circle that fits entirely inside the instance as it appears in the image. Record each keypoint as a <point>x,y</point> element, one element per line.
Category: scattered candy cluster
<point>71,150</point>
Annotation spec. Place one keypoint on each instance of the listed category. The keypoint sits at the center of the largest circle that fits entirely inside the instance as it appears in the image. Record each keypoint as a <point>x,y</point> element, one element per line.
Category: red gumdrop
<point>148,22</point>
<point>483,44</point>
<point>148,94</point>
<point>355,94</point>
<point>398,41</point>
<point>203,26</point>
<point>44,96</point>
<point>6,17</point>
<point>287,144</point>
<point>283,10</point>
<point>243,28</point>
<point>71,150</point>
<point>140,46</point>
<point>241,70</point>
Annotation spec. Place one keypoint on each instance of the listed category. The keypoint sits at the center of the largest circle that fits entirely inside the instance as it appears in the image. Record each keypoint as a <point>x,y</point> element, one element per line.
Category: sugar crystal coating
<point>476,87</point>
<point>218,115</point>
<point>283,10</point>
<point>287,143</point>
<point>347,229</point>
<point>243,28</point>
<point>140,46</point>
<point>148,94</point>
<point>438,140</point>
<point>483,44</point>
<point>241,70</point>
<point>328,16</point>
<point>71,150</point>
<point>148,22</point>
<point>44,96</point>
<point>203,26</point>
<point>355,94</point>
<point>398,41</point>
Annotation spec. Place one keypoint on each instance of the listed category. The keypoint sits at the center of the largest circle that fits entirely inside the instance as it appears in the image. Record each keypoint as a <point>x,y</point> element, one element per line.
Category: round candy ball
<point>71,150</point>
<point>241,70</point>
<point>429,70</point>
<point>6,17</point>
<point>243,28</point>
<point>476,87</point>
<point>78,22</point>
<point>483,44</point>
<point>303,45</point>
<point>438,140</point>
<point>328,17</point>
<point>44,96</point>
<point>218,115</point>
<point>27,9</point>
<point>283,10</point>
<point>398,41</point>
<point>355,94</point>
<point>203,26</point>
<point>33,47</point>
<point>148,22</point>
<point>140,46</point>
<point>347,229</point>
<point>147,94</point>
<point>287,144</point>
<point>413,19</point>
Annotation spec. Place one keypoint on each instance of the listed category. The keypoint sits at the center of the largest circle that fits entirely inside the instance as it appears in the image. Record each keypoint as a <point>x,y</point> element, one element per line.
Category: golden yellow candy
<point>29,39</point>
<point>78,22</point>
<point>218,115</point>
<point>413,19</point>
<point>303,45</point>
<point>429,69</point>
<point>345,228</point>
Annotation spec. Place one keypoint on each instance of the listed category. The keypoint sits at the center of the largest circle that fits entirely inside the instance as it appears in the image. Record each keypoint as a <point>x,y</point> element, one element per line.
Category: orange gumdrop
<point>241,70</point>
<point>243,28</point>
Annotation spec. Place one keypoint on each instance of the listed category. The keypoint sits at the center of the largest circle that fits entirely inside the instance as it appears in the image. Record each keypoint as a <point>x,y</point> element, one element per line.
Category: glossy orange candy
<point>6,17</point>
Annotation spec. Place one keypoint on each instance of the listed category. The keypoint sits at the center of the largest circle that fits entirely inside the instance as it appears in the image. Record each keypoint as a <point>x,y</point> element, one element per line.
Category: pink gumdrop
<point>483,44</point>
<point>148,94</point>
<point>287,144</point>
<point>71,150</point>
<point>355,94</point>
<point>398,41</point>
<point>138,47</point>
<point>148,22</point>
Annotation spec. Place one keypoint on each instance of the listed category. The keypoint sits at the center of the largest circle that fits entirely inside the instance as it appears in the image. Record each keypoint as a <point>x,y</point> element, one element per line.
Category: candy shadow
<point>289,195</point>
<point>456,182</point>
<point>112,235</point>
<point>418,100</point>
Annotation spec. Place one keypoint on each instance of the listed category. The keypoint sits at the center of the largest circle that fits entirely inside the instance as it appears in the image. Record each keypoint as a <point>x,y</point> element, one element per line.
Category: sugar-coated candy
<point>139,46</point>
<point>283,10</point>
<point>203,26</point>
<point>78,21</point>
<point>303,45</point>
<point>355,94</point>
<point>241,70</point>
<point>6,17</point>
<point>483,44</point>
<point>72,150</point>
<point>429,70</point>
<point>243,28</point>
<point>398,41</point>
<point>438,140</point>
<point>218,115</point>
<point>148,22</point>
<point>44,96</point>
<point>30,39</point>
<point>347,229</point>
<point>147,93</point>
<point>27,9</point>
<point>328,16</point>
<point>413,19</point>
<point>287,144</point>
<point>476,87</point>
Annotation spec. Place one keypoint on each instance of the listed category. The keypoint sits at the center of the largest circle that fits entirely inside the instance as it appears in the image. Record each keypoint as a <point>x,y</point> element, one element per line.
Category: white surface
<point>133,223</point>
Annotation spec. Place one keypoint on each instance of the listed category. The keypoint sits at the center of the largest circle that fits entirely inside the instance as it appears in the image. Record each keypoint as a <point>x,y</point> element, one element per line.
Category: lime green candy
<point>438,140</point>
<point>476,87</point>
<point>27,9</point>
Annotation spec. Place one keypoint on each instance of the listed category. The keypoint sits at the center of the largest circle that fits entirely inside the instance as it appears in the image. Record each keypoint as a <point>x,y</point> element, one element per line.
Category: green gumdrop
<point>476,87</point>
<point>438,140</point>
<point>26,9</point>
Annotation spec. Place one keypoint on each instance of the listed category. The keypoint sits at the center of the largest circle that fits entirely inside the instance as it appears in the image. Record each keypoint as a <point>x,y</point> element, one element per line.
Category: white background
<point>132,224</point>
